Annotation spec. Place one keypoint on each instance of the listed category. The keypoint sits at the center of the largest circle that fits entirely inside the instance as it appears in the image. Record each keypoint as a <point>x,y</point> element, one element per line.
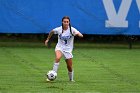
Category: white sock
<point>55,67</point>
<point>71,75</point>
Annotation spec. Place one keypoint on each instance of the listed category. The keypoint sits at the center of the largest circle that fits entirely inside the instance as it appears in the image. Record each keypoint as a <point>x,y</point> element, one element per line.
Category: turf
<point>97,69</point>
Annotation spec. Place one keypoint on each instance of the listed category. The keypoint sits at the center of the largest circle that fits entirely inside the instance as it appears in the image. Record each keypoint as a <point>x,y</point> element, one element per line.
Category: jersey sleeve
<point>74,31</point>
<point>56,30</point>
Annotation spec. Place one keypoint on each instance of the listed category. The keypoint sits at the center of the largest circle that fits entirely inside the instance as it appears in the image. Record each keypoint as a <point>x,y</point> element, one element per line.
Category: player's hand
<point>46,42</point>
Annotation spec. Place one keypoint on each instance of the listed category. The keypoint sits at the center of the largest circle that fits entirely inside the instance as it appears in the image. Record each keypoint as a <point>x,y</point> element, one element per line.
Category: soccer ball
<point>51,75</point>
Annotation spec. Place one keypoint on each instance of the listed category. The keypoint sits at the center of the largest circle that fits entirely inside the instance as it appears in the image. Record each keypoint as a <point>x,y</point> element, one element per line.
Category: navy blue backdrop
<point>88,16</point>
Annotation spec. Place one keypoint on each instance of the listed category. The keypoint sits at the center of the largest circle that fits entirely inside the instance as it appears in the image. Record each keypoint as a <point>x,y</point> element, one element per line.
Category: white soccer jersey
<point>65,39</point>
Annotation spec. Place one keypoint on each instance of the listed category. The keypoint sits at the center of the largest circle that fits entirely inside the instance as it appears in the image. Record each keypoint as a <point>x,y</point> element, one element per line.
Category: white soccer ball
<point>51,75</point>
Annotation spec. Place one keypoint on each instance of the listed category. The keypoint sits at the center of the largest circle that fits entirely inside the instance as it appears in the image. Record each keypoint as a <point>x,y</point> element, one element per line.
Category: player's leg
<point>69,64</point>
<point>68,58</point>
<point>70,69</point>
<point>58,56</point>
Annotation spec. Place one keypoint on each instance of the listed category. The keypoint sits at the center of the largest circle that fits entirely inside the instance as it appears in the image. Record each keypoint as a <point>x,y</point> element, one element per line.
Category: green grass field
<point>98,69</point>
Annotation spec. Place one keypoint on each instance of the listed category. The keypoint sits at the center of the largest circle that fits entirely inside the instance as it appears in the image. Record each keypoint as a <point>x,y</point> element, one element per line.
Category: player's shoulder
<point>74,29</point>
<point>58,28</point>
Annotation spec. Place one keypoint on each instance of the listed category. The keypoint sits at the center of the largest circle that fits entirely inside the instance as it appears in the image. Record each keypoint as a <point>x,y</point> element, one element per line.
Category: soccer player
<point>64,46</point>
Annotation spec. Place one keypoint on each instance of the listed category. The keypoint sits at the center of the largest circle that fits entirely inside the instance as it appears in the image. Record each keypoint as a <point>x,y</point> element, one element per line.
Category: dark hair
<point>67,17</point>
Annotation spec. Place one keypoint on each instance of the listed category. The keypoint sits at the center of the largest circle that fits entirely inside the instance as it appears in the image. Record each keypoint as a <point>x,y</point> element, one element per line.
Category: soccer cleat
<point>72,80</point>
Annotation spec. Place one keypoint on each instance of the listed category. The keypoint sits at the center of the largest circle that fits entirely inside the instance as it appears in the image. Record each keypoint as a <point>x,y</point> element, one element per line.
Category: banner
<point>101,17</point>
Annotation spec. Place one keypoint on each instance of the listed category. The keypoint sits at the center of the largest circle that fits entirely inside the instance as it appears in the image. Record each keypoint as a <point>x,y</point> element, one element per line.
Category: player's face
<point>66,23</point>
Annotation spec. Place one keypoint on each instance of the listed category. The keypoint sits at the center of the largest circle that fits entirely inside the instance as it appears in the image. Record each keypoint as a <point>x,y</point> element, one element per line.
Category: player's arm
<point>48,38</point>
<point>79,34</point>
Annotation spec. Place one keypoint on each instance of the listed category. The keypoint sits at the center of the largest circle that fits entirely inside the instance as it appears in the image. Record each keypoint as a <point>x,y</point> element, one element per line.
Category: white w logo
<point>118,19</point>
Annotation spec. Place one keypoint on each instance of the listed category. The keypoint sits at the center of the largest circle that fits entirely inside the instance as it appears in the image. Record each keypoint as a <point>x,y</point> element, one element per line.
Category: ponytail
<point>70,29</point>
